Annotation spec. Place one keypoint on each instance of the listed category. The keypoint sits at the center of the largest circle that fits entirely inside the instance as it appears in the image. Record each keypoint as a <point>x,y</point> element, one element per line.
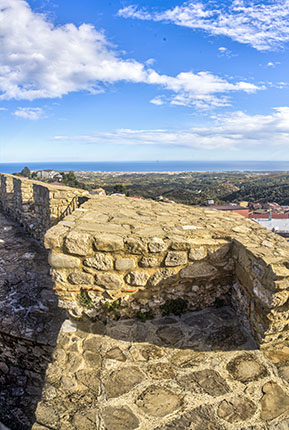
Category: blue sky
<point>123,80</point>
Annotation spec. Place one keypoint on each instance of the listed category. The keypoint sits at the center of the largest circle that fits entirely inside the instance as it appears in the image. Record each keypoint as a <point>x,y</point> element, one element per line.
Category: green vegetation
<point>145,316</point>
<point>84,299</point>
<point>174,306</point>
<point>195,188</point>
<point>26,172</point>
<point>112,307</point>
<point>121,189</point>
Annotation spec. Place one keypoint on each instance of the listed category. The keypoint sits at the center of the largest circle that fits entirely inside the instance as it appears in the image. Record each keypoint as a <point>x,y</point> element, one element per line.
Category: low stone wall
<point>124,257</point>
<point>35,205</point>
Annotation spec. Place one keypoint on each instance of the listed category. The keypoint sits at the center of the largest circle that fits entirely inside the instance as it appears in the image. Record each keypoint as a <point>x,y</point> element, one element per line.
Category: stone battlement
<point>37,206</point>
<point>128,257</point>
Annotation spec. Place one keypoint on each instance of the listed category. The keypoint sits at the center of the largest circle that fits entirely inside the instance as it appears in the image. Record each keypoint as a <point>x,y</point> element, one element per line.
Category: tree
<point>120,189</point>
<point>26,172</point>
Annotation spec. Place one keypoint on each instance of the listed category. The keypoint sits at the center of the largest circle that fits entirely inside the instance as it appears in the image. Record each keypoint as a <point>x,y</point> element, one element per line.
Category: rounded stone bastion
<point>117,257</point>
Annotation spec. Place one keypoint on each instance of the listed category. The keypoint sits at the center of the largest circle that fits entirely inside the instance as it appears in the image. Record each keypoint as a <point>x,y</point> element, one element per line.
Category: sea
<point>150,166</point>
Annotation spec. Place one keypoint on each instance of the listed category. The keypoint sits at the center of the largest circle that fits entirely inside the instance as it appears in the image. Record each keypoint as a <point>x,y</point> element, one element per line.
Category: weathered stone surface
<point>119,418</point>
<point>79,278</point>
<point>238,409</point>
<point>91,344</point>
<point>92,359</point>
<point>175,258</point>
<point>135,246</point>
<point>108,242</point>
<point>157,244</point>
<point>162,275</point>
<point>99,262</point>
<point>226,338</point>
<point>89,378</point>
<point>124,264</point>
<point>169,335</point>
<point>246,368</point>
<point>115,354</point>
<point>54,236</point>
<point>161,371</point>
<point>146,353</point>
<point>78,243</point>
<point>85,420</point>
<point>60,261</point>
<point>284,373</point>
<point>199,270</point>
<point>137,278</point>
<point>46,415</point>
<point>158,402</point>
<point>202,418</point>
<point>198,253</point>
<point>219,254</point>
<point>149,262</point>
<point>186,358</point>
<point>122,381</point>
<point>274,401</point>
<point>208,380</point>
<point>110,281</point>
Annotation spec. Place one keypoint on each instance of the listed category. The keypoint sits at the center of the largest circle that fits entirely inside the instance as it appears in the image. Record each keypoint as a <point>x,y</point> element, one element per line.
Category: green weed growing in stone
<point>112,307</point>
<point>144,316</point>
<point>174,306</point>
<point>84,299</point>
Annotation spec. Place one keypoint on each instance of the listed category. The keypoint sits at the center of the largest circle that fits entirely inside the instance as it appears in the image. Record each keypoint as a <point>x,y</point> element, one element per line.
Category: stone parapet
<point>125,257</point>
<point>36,205</point>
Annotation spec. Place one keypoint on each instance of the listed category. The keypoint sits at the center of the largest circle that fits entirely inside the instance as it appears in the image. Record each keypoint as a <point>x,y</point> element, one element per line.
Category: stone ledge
<point>142,253</point>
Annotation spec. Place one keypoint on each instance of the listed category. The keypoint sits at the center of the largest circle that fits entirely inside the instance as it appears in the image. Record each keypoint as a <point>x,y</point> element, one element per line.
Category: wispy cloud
<point>236,130</point>
<point>3,109</point>
<point>41,60</point>
<point>263,25</point>
<point>29,113</point>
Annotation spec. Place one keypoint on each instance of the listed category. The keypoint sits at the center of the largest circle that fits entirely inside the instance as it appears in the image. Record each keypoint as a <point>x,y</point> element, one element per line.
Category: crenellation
<point>37,206</point>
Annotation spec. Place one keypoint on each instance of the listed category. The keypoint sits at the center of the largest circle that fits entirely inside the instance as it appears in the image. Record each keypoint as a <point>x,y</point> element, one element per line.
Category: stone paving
<point>29,324</point>
<point>196,371</point>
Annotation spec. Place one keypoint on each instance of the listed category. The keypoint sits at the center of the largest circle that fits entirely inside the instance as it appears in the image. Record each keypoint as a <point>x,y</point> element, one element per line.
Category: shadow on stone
<point>29,325</point>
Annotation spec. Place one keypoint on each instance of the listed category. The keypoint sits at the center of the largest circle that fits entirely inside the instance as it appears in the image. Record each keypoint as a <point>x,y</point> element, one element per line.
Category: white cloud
<point>41,60</point>
<point>263,25</point>
<point>29,113</point>
<point>158,101</point>
<point>235,131</point>
<point>3,109</point>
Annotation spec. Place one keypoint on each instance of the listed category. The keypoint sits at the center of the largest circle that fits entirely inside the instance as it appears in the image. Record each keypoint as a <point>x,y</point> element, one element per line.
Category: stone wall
<point>124,257</point>
<point>37,206</point>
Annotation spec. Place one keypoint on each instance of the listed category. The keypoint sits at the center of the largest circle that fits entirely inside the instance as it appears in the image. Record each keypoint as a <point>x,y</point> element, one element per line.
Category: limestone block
<point>124,264</point>
<point>161,275</point>
<point>198,253</point>
<point>78,243</point>
<point>59,261</point>
<point>199,270</point>
<point>241,229</point>
<point>157,245</point>
<point>110,281</point>
<point>76,278</point>
<point>175,258</point>
<point>180,244</point>
<point>137,278</point>
<point>108,242</point>
<point>54,237</point>
<point>99,262</point>
<point>136,246</point>
<point>149,262</point>
<point>219,254</point>
<point>274,401</point>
